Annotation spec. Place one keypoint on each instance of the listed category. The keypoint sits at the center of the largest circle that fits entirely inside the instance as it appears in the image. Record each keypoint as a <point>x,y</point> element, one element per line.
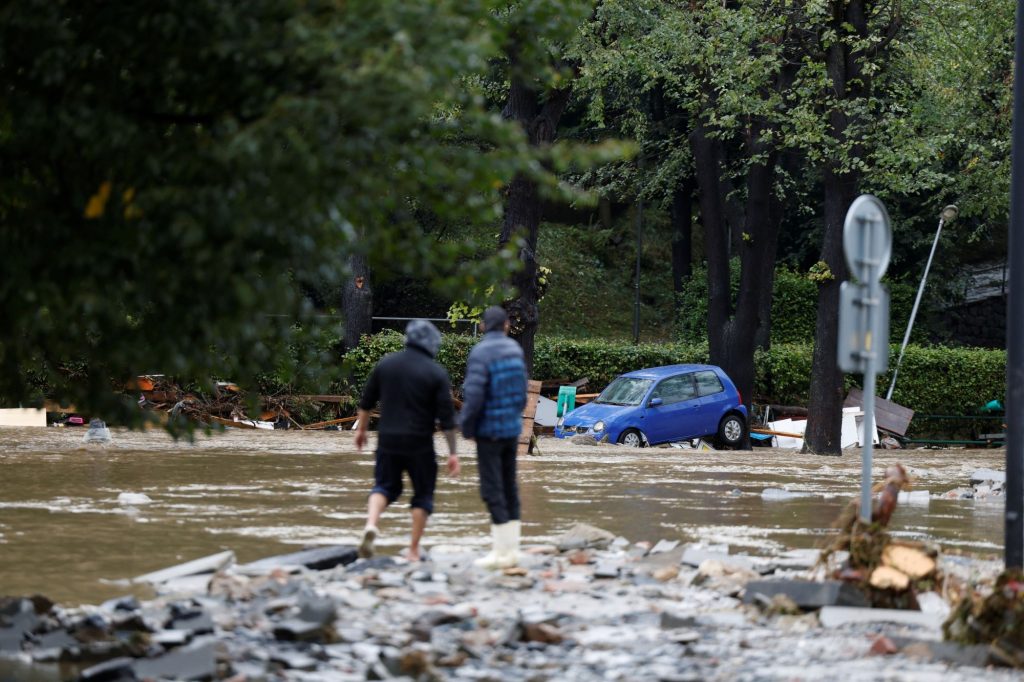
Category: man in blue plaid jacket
<point>494,396</point>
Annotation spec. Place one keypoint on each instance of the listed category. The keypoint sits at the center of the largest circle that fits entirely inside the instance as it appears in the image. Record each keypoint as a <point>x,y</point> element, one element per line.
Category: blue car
<point>663,405</point>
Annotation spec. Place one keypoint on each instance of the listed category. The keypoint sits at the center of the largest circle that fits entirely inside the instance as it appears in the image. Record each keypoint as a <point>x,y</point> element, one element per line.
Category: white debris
<point>133,499</point>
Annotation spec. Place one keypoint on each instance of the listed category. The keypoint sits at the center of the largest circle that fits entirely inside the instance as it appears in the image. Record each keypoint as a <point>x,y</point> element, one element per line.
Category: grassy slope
<point>591,290</point>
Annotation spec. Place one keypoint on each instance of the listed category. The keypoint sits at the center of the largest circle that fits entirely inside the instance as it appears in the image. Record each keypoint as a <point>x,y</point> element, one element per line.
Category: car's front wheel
<point>731,431</point>
<point>632,438</point>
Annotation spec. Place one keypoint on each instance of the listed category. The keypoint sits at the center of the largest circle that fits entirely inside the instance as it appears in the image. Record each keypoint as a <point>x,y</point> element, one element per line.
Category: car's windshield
<point>625,391</point>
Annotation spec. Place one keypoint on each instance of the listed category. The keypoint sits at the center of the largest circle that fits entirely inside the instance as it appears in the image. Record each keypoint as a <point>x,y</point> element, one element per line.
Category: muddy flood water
<point>64,532</point>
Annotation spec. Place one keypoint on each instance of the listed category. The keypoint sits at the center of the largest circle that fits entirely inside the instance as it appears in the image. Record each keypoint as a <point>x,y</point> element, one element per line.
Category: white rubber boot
<point>491,560</point>
<point>510,557</point>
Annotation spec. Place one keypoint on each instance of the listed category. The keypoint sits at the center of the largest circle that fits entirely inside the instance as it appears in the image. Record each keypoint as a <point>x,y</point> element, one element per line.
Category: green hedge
<point>933,380</point>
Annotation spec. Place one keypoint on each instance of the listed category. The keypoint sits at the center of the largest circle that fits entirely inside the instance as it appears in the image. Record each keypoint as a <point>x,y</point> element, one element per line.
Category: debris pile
<point>996,619</point>
<point>227,405</point>
<point>893,573</point>
<point>586,606</point>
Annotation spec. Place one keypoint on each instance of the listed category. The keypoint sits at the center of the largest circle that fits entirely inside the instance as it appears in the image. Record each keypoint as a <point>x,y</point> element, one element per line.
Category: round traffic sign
<point>867,238</point>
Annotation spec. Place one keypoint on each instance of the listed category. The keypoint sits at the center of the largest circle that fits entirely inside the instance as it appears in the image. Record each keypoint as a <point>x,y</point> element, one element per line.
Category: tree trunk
<point>732,335</point>
<point>825,411</point>
<point>357,301</point>
<point>848,83</point>
<point>538,115</point>
<point>682,237</point>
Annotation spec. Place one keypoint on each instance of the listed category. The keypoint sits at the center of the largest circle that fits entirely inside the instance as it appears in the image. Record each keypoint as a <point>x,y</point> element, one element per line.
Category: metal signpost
<point>863,345</point>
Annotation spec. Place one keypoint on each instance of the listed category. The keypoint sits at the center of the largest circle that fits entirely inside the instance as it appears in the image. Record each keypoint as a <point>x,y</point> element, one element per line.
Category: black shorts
<point>397,454</point>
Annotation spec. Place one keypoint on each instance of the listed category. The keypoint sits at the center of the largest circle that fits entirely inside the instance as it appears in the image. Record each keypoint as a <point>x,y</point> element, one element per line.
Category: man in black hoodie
<point>415,396</point>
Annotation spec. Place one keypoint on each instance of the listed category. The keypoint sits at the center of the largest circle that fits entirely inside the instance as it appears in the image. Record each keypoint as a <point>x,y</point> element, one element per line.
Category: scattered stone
<point>607,570</point>
<point>542,632</point>
<point>294,660</point>
<point>685,636</point>
<point>196,661</point>
<point>934,604</point>
<point>664,546</point>
<point>315,559</point>
<point>582,536</point>
<point>579,557</point>
<point>837,616</point>
<point>515,570</point>
<point>665,573</point>
<point>695,556</point>
<point>806,594</point>
<point>988,476</point>
<point>883,646</point>
<point>114,670</point>
<point>208,564</point>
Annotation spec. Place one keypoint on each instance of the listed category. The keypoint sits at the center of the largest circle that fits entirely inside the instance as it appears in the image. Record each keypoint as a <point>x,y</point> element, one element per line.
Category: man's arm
<point>371,394</point>
<point>446,418</point>
<point>362,421</point>
<point>473,393</point>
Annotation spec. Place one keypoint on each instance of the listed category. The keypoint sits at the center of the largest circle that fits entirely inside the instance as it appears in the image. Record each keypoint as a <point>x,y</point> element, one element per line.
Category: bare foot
<point>411,555</point>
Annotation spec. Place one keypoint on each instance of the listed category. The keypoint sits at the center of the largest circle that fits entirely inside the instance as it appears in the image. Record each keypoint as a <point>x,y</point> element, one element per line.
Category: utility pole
<point>1014,537</point>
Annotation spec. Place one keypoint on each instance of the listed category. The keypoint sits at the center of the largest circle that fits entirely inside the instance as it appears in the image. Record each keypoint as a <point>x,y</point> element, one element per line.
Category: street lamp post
<point>1014,514</point>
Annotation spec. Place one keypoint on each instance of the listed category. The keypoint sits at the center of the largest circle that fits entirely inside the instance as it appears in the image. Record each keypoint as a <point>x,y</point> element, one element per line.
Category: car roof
<point>666,370</point>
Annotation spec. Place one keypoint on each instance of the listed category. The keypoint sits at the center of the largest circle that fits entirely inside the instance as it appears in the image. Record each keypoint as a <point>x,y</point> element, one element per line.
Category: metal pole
<point>1014,515</point>
<point>868,310</point>
<point>920,290</point>
<point>636,281</point>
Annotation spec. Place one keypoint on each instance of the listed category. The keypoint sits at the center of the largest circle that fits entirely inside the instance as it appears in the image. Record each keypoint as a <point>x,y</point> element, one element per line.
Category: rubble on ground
<point>590,606</point>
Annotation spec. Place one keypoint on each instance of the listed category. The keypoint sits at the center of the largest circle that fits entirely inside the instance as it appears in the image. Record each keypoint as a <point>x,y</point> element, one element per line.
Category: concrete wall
<point>22,417</point>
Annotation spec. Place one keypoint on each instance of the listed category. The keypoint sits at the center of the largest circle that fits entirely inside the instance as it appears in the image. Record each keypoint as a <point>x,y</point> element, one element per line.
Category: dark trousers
<point>496,460</point>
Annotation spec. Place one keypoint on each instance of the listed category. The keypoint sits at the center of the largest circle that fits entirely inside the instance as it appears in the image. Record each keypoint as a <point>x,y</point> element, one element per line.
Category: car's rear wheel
<point>632,438</point>
<point>731,431</point>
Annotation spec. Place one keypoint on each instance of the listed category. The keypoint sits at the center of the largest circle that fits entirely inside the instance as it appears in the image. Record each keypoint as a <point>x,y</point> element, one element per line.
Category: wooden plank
<point>889,416</point>
<point>325,398</point>
<point>769,432</point>
<point>529,412</point>
<point>330,422</point>
<point>229,422</point>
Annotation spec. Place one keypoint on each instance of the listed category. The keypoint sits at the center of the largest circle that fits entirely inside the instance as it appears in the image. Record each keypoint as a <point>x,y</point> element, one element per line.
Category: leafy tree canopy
<point>171,178</point>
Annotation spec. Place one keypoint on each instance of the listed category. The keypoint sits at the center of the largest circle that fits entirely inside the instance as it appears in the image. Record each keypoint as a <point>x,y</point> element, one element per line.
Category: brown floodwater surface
<point>64,532</point>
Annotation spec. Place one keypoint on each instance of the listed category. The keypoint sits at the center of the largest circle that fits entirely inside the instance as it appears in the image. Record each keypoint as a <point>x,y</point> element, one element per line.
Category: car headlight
<point>599,426</point>
<point>560,422</point>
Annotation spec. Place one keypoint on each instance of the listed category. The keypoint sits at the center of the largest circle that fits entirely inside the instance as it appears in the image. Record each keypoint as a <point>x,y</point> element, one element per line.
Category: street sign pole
<point>864,316</point>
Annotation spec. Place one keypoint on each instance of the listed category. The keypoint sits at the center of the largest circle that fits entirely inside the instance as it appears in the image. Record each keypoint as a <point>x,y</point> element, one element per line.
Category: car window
<point>676,389</point>
<point>625,391</point>
<point>708,383</point>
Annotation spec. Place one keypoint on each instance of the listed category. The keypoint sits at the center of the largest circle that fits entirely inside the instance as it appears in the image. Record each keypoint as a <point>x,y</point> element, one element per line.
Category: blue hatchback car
<point>663,405</point>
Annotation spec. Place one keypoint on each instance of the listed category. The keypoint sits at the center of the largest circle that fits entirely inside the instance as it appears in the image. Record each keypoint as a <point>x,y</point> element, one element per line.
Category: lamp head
<point>949,213</point>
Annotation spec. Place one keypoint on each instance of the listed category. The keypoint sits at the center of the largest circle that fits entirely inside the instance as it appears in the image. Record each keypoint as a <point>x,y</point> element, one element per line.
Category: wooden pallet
<point>529,413</point>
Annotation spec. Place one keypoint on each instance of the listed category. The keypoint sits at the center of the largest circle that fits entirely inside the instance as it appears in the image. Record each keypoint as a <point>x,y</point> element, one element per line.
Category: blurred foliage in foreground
<point>173,179</point>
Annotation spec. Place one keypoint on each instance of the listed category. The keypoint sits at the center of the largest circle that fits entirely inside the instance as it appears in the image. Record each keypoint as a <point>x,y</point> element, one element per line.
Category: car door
<point>715,402</point>
<point>678,415</point>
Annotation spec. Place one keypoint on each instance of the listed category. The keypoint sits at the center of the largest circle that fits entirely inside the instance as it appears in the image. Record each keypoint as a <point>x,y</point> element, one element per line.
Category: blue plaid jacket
<point>495,389</point>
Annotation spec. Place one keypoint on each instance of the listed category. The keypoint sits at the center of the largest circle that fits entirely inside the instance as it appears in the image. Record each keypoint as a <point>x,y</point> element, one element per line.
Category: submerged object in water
<point>97,433</point>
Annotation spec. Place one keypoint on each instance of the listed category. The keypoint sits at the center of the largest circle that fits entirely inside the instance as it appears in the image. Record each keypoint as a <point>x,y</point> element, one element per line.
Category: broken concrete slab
<point>664,546</point>
<point>695,556</point>
<point>977,655</point>
<point>988,476</point>
<point>207,564</point>
<point>582,536</point>
<point>837,616</point>
<point>315,558</point>
<point>806,594</point>
<point>196,661</point>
